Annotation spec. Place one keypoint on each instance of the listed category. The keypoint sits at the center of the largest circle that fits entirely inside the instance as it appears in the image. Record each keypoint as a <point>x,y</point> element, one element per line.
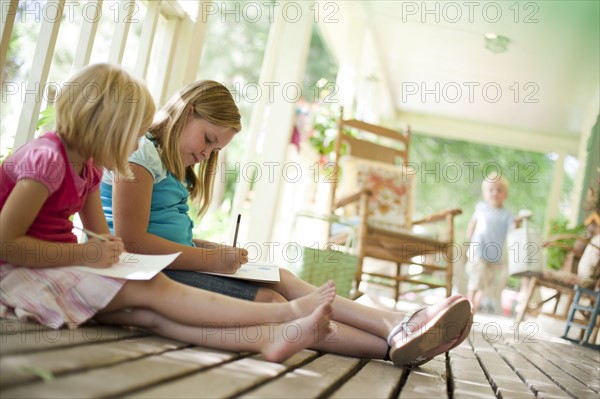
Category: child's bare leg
<point>276,342</point>
<point>192,306</point>
<point>476,299</point>
<point>346,340</point>
<point>374,321</point>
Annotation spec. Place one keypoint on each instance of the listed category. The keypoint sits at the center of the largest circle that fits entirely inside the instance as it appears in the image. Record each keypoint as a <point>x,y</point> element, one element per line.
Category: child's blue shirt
<point>168,208</point>
<point>489,236</point>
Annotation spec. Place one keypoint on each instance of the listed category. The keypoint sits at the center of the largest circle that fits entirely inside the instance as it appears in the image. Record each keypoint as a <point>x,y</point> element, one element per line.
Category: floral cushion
<point>389,206</point>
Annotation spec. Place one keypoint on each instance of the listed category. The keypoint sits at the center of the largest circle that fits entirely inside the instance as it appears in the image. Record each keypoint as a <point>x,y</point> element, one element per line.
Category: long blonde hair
<point>211,101</point>
<point>100,112</point>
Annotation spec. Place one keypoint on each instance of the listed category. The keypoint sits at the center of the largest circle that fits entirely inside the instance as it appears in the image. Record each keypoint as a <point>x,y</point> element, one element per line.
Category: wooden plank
<point>537,381</point>
<point>316,379</point>
<point>427,381</point>
<point>362,385</point>
<point>556,374</point>
<point>126,377</point>
<point>231,379</point>
<point>50,339</point>
<point>378,130</point>
<point>502,378</point>
<point>372,151</point>
<point>467,378</point>
<point>18,369</point>
<point>582,360</point>
<point>9,327</point>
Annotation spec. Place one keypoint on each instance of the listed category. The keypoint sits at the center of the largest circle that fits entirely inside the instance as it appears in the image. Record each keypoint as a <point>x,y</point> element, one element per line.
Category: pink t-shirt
<point>45,161</point>
<point>53,295</point>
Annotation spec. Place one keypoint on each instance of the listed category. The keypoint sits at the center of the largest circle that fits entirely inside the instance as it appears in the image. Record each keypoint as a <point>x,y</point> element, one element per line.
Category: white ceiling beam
<point>457,129</point>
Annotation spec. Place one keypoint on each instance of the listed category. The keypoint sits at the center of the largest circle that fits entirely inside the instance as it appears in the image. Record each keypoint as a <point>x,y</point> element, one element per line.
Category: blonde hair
<point>100,112</point>
<point>211,101</point>
<point>494,177</point>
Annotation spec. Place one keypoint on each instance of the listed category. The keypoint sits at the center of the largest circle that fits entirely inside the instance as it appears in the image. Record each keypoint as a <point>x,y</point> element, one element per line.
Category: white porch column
<point>271,124</point>
<point>119,39</point>
<point>87,35</point>
<point>554,198</point>
<point>147,38</point>
<point>592,119</point>
<point>38,76</point>
<point>197,43</point>
<point>8,11</point>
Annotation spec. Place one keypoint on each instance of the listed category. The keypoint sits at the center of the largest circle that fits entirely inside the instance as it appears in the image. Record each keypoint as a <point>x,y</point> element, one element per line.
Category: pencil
<point>237,228</point>
<point>91,234</point>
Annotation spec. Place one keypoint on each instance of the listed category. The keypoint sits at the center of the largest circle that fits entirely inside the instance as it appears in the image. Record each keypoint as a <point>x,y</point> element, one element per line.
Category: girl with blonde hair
<point>98,123</point>
<point>149,210</point>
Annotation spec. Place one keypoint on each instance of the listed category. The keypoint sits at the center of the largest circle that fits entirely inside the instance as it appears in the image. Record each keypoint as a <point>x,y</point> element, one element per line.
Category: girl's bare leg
<point>193,306</point>
<point>370,320</point>
<point>276,342</point>
<point>346,340</point>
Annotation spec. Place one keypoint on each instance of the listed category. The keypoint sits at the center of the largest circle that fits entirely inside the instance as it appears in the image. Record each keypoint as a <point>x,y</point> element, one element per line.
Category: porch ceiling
<point>431,59</point>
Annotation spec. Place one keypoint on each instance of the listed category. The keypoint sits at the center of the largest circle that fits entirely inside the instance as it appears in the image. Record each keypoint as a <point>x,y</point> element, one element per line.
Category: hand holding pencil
<point>101,251</point>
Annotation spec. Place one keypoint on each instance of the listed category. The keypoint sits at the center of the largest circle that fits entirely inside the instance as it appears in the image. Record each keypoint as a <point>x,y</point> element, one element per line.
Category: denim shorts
<point>222,285</point>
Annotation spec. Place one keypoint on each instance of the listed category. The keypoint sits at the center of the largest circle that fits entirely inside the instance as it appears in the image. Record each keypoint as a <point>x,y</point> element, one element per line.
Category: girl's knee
<point>160,282</point>
<point>287,276</point>
<point>268,295</point>
<point>284,273</point>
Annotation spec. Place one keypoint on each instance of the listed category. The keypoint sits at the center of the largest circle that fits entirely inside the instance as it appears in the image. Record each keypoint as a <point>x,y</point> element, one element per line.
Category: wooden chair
<point>562,282</point>
<point>374,187</point>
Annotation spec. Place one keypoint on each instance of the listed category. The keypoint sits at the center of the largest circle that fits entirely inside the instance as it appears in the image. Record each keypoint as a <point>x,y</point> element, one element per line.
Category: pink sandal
<point>433,338</point>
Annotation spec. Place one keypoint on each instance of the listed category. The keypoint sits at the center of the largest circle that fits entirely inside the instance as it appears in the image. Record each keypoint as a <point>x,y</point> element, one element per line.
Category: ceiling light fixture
<point>496,43</point>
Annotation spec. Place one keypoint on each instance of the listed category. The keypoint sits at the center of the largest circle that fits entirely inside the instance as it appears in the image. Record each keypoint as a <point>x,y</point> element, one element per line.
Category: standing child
<point>98,122</point>
<point>149,210</point>
<point>487,231</point>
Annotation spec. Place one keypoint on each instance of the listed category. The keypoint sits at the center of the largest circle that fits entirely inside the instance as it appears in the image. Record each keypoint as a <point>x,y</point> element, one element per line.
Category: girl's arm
<point>20,210</point>
<point>202,243</point>
<point>131,215</point>
<point>93,218</point>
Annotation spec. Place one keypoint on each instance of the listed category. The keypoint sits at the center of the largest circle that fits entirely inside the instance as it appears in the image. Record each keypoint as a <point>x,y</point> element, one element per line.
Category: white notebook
<point>134,266</point>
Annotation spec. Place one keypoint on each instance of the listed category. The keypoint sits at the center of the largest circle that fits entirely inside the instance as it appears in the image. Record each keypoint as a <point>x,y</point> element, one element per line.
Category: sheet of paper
<point>134,266</point>
<point>254,272</point>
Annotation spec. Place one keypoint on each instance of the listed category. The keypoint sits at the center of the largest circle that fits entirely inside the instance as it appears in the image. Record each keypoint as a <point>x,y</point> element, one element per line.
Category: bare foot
<point>294,336</point>
<point>305,305</point>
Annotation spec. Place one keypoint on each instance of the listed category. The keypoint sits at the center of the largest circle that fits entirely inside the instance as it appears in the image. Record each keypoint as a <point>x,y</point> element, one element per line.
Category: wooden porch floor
<point>112,362</point>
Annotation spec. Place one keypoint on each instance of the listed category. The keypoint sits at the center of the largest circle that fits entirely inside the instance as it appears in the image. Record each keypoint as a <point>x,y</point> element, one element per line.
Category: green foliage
<point>324,132</point>
<point>46,117</point>
<point>4,156</point>
<point>556,255</point>
<point>318,85</point>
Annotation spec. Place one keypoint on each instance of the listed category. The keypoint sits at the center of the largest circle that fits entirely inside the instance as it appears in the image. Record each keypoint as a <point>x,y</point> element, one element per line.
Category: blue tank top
<point>168,207</point>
